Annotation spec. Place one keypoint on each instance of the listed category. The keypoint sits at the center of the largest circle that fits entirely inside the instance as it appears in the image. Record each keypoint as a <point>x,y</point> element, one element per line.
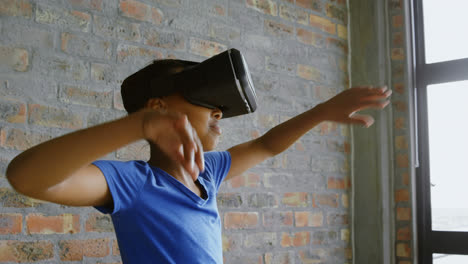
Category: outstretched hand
<point>176,137</point>
<point>342,108</point>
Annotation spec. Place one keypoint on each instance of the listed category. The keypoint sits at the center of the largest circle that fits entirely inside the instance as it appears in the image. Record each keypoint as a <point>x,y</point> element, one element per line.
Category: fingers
<point>192,150</point>
<point>364,120</point>
<point>185,133</point>
<point>368,97</point>
<point>199,157</point>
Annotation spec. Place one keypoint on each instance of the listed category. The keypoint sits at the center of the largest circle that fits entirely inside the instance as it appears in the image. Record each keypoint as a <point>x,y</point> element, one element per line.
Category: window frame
<point>429,241</point>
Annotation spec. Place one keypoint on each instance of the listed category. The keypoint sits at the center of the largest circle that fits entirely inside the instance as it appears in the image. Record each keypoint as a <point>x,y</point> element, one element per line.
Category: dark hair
<point>135,88</point>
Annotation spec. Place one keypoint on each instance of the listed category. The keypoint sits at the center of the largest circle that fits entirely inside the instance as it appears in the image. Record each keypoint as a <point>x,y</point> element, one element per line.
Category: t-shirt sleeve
<point>124,183</point>
<point>217,165</point>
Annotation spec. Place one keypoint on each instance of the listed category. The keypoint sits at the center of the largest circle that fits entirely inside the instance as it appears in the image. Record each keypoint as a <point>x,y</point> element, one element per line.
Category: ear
<point>156,104</point>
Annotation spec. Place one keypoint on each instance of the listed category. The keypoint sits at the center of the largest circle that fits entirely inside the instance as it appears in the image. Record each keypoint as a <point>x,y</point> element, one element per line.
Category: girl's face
<point>203,120</point>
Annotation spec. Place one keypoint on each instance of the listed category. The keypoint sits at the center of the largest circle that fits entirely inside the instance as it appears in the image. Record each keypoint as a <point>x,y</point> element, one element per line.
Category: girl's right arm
<point>60,170</point>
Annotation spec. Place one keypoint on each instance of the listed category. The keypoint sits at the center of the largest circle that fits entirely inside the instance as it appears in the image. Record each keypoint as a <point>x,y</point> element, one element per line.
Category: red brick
<point>313,255</point>
<point>337,13</point>
<point>10,198</point>
<point>399,88</point>
<point>398,39</point>
<point>309,73</point>
<point>240,220</point>
<point>22,140</point>
<point>275,219</point>
<point>280,257</point>
<point>403,250</point>
<point>88,4</point>
<point>54,117</point>
<point>260,240</point>
<point>325,199</point>
<point>343,65</point>
<point>337,219</point>
<point>115,248</point>
<point>84,96</point>
<point>403,214</point>
<point>164,40</point>
<point>231,242</point>
<point>302,219</point>
<point>116,28</point>
<point>327,128</point>
<point>205,48</point>
<point>402,160</point>
<point>404,233</point>
<point>16,8</point>
<point>72,20</point>
<point>72,250</point>
<point>14,58</point>
<point>104,73</point>
<point>342,31</point>
<point>337,44</point>
<point>218,10</point>
<point>336,183</point>
<point>396,4</point>
<point>265,6</point>
<point>345,200</point>
<point>248,179</point>
<point>10,223</point>
<point>141,11</point>
<point>338,146</point>
<point>61,224</point>
<point>401,143</point>
<point>299,146</point>
<point>400,123</point>
<point>309,37</point>
<point>319,237</point>
<point>287,12</point>
<point>315,5</point>
<point>397,21</point>
<point>405,178</point>
<point>20,251</point>
<point>85,46</point>
<point>295,199</point>
<point>63,67</point>
<point>401,195</point>
<point>295,240</point>
<point>398,54</point>
<point>344,235</point>
<point>128,52</point>
<point>278,29</point>
<point>12,111</point>
<point>323,24</point>
<point>229,200</point>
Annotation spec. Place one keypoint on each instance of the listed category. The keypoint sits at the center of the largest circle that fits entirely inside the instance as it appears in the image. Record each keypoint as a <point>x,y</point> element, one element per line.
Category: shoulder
<point>117,164</point>
<point>217,165</point>
<point>214,158</point>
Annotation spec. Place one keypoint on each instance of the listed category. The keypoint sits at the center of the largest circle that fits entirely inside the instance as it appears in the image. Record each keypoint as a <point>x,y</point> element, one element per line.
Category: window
<point>441,80</point>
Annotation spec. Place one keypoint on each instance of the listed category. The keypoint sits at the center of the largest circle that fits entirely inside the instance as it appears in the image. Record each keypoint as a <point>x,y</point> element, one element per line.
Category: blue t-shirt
<point>157,219</point>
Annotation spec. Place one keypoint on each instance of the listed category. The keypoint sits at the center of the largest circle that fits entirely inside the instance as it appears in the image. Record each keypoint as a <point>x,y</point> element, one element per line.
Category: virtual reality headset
<point>222,81</point>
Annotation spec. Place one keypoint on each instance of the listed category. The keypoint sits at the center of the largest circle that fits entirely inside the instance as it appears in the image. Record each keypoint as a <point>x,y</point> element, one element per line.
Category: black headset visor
<point>222,81</point>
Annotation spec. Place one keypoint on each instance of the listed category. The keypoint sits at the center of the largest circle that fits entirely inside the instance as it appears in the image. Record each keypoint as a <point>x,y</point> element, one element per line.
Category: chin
<point>210,145</point>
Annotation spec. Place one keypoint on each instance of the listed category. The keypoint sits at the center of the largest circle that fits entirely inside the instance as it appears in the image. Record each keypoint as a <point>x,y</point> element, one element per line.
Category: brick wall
<point>61,65</point>
<point>404,251</point>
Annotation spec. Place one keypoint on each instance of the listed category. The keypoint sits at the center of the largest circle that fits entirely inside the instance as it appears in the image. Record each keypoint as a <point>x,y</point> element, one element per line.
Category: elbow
<point>268,148</point>
<point>15,179</point>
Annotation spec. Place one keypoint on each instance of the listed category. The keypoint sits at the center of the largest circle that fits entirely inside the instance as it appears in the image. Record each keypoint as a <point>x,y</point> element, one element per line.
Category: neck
<point>159,159</point>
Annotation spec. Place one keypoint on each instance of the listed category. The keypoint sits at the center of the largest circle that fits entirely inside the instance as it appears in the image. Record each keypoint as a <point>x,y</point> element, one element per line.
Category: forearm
<point>282,136</point>
<point>51,162</point>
